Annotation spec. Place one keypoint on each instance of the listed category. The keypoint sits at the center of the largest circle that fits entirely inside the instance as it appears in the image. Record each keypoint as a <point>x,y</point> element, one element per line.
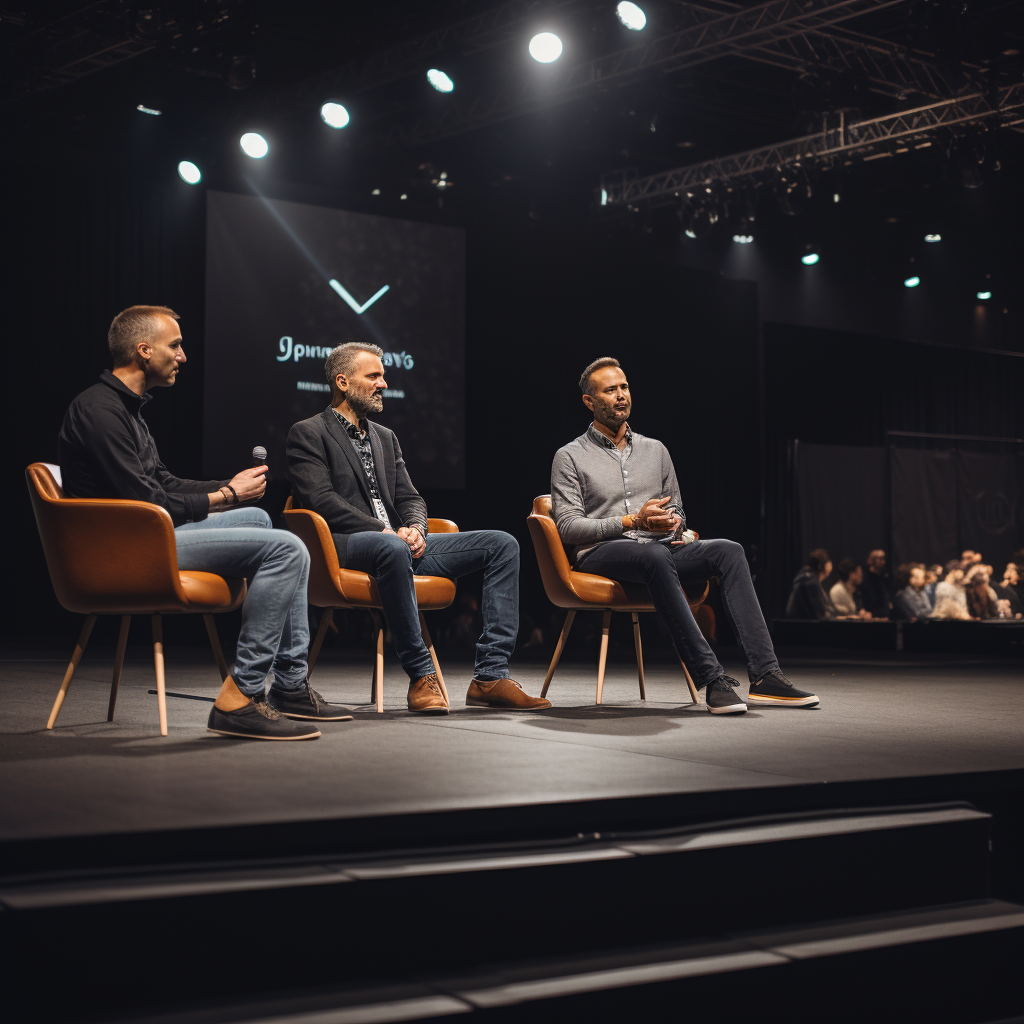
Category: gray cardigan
<point>592,488</point>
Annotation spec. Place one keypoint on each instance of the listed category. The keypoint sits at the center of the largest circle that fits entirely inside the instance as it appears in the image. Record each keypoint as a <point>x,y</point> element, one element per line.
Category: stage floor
<point>877,720</point>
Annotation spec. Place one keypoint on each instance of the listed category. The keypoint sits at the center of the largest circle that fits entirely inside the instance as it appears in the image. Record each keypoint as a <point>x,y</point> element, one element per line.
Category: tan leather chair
<point>584,591</point>
<point>332,587</point>
<point>113,557</point>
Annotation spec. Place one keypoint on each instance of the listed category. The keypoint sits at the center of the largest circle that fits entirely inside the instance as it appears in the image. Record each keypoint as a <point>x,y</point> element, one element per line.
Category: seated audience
<point>931,581</point>
<point>807,599</point>
<point>950,597</point>
<point>1011,590</point>
<point>875,589</point>
<point>911,601</point>
<point>845,595</point>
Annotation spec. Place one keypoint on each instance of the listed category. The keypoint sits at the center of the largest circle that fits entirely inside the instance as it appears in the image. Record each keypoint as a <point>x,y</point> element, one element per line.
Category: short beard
<point>607,417</point>
<point>363,405</point>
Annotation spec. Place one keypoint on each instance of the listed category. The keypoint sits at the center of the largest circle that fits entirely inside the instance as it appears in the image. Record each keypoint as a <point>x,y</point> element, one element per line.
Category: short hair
<point>342,358</point>
<point>597,364</point>
<point>129,327</point>
<point>903,575</point>
<point>847,567</point>
<point>952,565</point>
<point>818,559</point>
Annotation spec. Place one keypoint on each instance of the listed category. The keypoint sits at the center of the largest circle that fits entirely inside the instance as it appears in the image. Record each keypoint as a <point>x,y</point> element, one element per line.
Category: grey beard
<point>606,417</point>
<point>364,406</point>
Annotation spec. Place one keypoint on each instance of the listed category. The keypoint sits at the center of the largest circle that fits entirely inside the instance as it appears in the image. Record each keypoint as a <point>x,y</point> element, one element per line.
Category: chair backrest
<point>104,555</point>
<point>551,557</point>
<point>433,525</point>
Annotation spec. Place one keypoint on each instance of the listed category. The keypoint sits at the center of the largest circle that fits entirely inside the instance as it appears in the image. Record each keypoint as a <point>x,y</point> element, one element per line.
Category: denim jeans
<point>275,629</point>
<point>659,565</point>
<point>387,558</point>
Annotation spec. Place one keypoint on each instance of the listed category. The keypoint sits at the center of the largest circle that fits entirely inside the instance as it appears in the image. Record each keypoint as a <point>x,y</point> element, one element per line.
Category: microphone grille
<point>259,453</point>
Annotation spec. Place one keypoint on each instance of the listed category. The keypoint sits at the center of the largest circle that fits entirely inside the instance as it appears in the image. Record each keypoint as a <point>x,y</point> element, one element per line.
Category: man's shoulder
<point>99,400</point>
<point>574,447</point>
<point>311,424</point>
<point>384,433</point>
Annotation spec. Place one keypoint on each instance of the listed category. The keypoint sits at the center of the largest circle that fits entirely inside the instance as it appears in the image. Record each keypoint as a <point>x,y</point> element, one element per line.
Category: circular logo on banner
<point>995,513</point>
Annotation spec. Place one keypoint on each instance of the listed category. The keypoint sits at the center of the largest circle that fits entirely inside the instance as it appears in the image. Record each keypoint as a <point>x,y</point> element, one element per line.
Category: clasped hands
<point>655,518</point>
<point>412,536</point>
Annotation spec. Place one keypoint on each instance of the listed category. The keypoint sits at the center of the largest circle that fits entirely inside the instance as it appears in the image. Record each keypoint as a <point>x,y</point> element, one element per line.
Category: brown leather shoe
<point>427,697</point>
<point>503,695</point>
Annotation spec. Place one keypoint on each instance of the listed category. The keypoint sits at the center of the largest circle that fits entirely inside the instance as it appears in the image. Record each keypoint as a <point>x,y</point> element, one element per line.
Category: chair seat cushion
<point>206,591</point>
<point>359,590</point>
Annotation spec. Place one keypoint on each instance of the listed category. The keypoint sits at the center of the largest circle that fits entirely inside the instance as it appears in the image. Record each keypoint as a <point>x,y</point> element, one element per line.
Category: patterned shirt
<point>360,438</point>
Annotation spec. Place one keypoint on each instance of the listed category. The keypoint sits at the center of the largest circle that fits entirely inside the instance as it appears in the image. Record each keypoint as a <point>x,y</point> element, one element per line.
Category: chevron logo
<point>356,307</point>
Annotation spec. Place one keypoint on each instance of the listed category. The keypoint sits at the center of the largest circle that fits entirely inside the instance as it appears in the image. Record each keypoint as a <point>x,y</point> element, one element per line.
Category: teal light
<point>189,173</point>
<point>440,81</point>
<point>984,296</point>
<point>911,282</point>
<point>810,259</point>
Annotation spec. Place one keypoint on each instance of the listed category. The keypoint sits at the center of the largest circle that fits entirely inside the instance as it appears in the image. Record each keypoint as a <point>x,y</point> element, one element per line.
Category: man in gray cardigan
<point>615,500</point>
<point>351,471</point>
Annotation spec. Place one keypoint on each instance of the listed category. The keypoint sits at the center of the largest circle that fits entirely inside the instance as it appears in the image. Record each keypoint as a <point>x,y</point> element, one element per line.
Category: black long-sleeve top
<point>105,450</point>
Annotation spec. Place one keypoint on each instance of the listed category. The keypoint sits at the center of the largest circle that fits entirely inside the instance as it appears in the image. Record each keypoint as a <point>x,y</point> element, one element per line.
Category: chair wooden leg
<point>689,681</point>
<point>559,647</point>
<point>425,633</point>
<point>377,693</point>
<point>639,655</point>
<point>158,664</point>
<point>318,640</point>
<point>606,622</point>
<point>83,639</point>
<point>218,652</point>
<point>122,643</point>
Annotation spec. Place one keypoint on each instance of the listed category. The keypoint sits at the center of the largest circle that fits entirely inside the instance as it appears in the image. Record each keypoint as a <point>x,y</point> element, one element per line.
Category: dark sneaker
<point>258,721</point>
<point>722,698</point>
<point>776,689</point>
<point>305,702</point>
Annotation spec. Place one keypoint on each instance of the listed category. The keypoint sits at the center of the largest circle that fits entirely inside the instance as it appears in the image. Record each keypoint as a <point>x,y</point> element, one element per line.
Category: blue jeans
<point>275,629</point>
<point>658,566</point>
<point>387,558</point>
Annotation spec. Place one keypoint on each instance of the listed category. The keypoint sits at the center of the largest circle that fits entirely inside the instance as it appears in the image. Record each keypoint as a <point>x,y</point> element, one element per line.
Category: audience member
<point>981,598</point>
<point>931,581</point>
<point>875,589</point>
<point>845,595</point>
<point>1011,590</point>
<point>807,599</point>
<point>911,601</point>
<point>950,597</point>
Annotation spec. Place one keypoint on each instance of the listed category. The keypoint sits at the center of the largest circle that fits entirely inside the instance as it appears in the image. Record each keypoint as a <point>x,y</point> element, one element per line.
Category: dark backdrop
<point>542,302</point>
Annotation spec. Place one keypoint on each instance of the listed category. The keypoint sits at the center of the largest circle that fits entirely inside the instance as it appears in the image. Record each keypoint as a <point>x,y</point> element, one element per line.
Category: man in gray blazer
<point>351,471</point>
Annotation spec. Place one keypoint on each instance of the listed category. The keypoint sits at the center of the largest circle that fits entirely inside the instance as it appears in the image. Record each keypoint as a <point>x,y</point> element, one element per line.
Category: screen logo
<point>339,288</point>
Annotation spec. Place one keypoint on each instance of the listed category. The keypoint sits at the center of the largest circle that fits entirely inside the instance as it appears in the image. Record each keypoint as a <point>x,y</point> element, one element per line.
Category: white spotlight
<point>810,259</point>
<point>545,47</point>
<point>743,239</point>
<point>254,145</point>
<point>189,173</point>
<point>440,81</point>
<point>631,16</point>
<point>984,296</point>
<point>149,110</point>
<point>334,115</point>
<point>933,238</point>
<point>912,282</point>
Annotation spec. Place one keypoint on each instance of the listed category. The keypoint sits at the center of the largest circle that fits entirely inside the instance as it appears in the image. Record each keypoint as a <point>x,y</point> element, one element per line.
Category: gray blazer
<point>328,478</point>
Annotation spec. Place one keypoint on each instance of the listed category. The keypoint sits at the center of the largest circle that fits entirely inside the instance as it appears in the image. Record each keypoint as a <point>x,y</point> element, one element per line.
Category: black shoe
<point>305,702</point>
<point>776,689</point>
<point>722,698</point>
<point>258,721</point>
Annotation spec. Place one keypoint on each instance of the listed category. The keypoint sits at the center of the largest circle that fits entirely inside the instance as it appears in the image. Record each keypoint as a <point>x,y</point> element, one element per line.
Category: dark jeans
<point>387,558</point>
<point>659,567</point>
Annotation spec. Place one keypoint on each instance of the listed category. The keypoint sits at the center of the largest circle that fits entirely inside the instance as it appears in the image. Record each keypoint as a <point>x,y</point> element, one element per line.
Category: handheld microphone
<point>259,456</point>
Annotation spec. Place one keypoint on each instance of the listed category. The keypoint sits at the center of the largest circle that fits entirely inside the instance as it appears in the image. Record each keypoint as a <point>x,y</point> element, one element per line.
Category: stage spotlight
<point>631,16</point>
<point>933,238</point>
<point>149,110</point>
<point>254,145</point>
<point>334,115</point>
<point>189,173</point>
<point>984,296</point>
<point>545,47</point>
<point>440,81</point>
<point>912,282</point>
<point>809,259</point>
<point>743,239</point>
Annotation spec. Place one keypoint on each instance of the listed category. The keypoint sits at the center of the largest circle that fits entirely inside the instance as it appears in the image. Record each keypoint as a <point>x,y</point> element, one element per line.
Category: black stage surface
<point>911,723</point>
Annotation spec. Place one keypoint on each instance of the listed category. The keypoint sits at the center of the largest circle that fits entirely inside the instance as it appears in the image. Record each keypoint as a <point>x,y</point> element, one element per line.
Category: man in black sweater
<point>106,451</point>
<point>351,471</point>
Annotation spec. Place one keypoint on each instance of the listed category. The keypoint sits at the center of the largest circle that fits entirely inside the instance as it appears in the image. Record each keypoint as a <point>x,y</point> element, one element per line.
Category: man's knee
<point>289,549</point>
<point>503,546</point>
<point>260,519</point>
<point>392,550</point>
<point>656,560</point>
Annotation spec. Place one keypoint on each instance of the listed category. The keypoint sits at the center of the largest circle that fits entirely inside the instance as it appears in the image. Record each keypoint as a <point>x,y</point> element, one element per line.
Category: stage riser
<point>359,928</point>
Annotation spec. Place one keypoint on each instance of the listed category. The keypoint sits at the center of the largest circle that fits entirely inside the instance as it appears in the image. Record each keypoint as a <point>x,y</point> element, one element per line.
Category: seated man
<point>875,591</point>
<point>106,451</point>
<point>807,598</point>
<point>351,472</point>
<point>615,500</point>
<point>911,602</point>
<point>845,595</point>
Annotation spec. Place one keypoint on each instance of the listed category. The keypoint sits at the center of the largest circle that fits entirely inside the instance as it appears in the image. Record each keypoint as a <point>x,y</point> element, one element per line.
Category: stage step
<point>354,918</point>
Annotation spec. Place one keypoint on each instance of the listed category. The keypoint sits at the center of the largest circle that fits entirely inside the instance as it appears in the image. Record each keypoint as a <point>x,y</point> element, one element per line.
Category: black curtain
<point>841,495</point>
<point>987,490</point>
<point>924,506</point>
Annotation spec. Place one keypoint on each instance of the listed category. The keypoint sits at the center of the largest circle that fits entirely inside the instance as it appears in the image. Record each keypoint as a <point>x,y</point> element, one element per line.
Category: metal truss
<point>493,28</point>
<point>911,127</point>
<point>707,37</point>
